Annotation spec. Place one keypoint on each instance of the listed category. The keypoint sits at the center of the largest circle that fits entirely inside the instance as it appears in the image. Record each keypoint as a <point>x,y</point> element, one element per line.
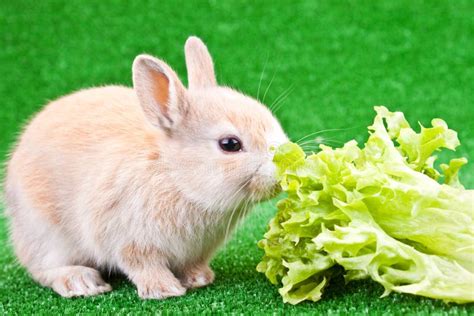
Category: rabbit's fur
<point>134,180</point>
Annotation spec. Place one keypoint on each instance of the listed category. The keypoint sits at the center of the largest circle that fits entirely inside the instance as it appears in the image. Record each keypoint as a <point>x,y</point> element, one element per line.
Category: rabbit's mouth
<point>263,187</point>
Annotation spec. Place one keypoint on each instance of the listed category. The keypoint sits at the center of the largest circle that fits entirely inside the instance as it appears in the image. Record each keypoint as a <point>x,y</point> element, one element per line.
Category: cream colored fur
<point>115,178</point>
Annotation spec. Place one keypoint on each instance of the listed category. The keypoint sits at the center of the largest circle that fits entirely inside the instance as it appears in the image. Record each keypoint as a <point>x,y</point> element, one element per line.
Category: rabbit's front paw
<point>160,289</point>
<point>197,276</point>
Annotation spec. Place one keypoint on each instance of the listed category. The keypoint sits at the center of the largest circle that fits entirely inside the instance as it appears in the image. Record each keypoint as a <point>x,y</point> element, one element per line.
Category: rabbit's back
<point>82,119</point>
<point>68,158</point>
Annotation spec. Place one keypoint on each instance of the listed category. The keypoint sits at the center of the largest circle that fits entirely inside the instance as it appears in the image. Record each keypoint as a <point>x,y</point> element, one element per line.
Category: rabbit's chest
<point>195,238</point>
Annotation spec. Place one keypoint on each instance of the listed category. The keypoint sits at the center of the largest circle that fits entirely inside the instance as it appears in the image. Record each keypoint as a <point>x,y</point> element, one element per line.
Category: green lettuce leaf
<point>378,212</point>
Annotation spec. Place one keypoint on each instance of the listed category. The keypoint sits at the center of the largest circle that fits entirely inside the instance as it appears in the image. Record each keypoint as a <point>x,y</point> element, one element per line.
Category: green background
<point>338,58</point>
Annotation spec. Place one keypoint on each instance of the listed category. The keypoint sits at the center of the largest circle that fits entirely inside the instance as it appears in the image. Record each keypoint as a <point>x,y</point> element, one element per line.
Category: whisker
<point>279,101</point>
<point>281,95</point>
<point>226,235</point>
<point>324,131</point>
<point>246,209</point>
<point>336,142</point>
<point>321,141</point>
<point>312,142</point>
<point>261,77</point>
<point>268,87</point>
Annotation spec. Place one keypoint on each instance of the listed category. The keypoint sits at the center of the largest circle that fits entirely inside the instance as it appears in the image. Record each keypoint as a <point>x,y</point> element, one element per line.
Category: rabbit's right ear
<point>199,64</point>
<point>160,92</point>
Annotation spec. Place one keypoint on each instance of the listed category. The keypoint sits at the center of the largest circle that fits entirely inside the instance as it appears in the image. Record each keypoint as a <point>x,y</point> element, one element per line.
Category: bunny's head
<point>217,143</point>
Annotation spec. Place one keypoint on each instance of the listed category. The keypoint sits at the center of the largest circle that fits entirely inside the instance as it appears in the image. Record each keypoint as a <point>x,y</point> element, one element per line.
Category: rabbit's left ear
<point>160,92</point>
<point>199,64</point>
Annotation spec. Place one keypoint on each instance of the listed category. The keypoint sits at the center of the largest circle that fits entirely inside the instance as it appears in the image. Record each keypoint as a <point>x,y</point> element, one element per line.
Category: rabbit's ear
<point>160,92</point>
<point>199,64</point>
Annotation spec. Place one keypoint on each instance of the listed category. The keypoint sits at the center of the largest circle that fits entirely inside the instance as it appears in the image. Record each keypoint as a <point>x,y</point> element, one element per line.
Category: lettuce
<point>379,212</point>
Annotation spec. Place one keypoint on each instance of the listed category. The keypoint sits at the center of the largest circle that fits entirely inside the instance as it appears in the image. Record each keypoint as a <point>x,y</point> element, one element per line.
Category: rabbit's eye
<point>230,144</point>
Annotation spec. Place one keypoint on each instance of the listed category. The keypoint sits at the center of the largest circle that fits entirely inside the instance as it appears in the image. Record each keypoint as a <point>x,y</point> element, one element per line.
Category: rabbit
<point>145,181</point>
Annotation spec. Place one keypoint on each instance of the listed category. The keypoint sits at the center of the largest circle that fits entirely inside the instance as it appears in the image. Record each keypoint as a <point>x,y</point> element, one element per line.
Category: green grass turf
<point>340,57</point>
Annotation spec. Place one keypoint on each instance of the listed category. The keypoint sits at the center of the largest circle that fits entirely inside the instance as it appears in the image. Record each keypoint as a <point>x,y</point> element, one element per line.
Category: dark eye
<point>230,144</point>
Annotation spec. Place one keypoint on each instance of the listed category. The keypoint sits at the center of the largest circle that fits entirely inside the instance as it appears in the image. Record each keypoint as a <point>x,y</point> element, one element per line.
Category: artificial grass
<point>339,57</point>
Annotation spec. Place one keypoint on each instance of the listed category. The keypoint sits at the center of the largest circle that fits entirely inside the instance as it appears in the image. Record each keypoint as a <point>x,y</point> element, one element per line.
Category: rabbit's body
<point>105,125</point>
<point>125,179</point>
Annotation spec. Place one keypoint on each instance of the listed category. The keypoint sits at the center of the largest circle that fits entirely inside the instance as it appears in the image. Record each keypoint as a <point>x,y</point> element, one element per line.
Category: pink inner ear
<point>160,88</point>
